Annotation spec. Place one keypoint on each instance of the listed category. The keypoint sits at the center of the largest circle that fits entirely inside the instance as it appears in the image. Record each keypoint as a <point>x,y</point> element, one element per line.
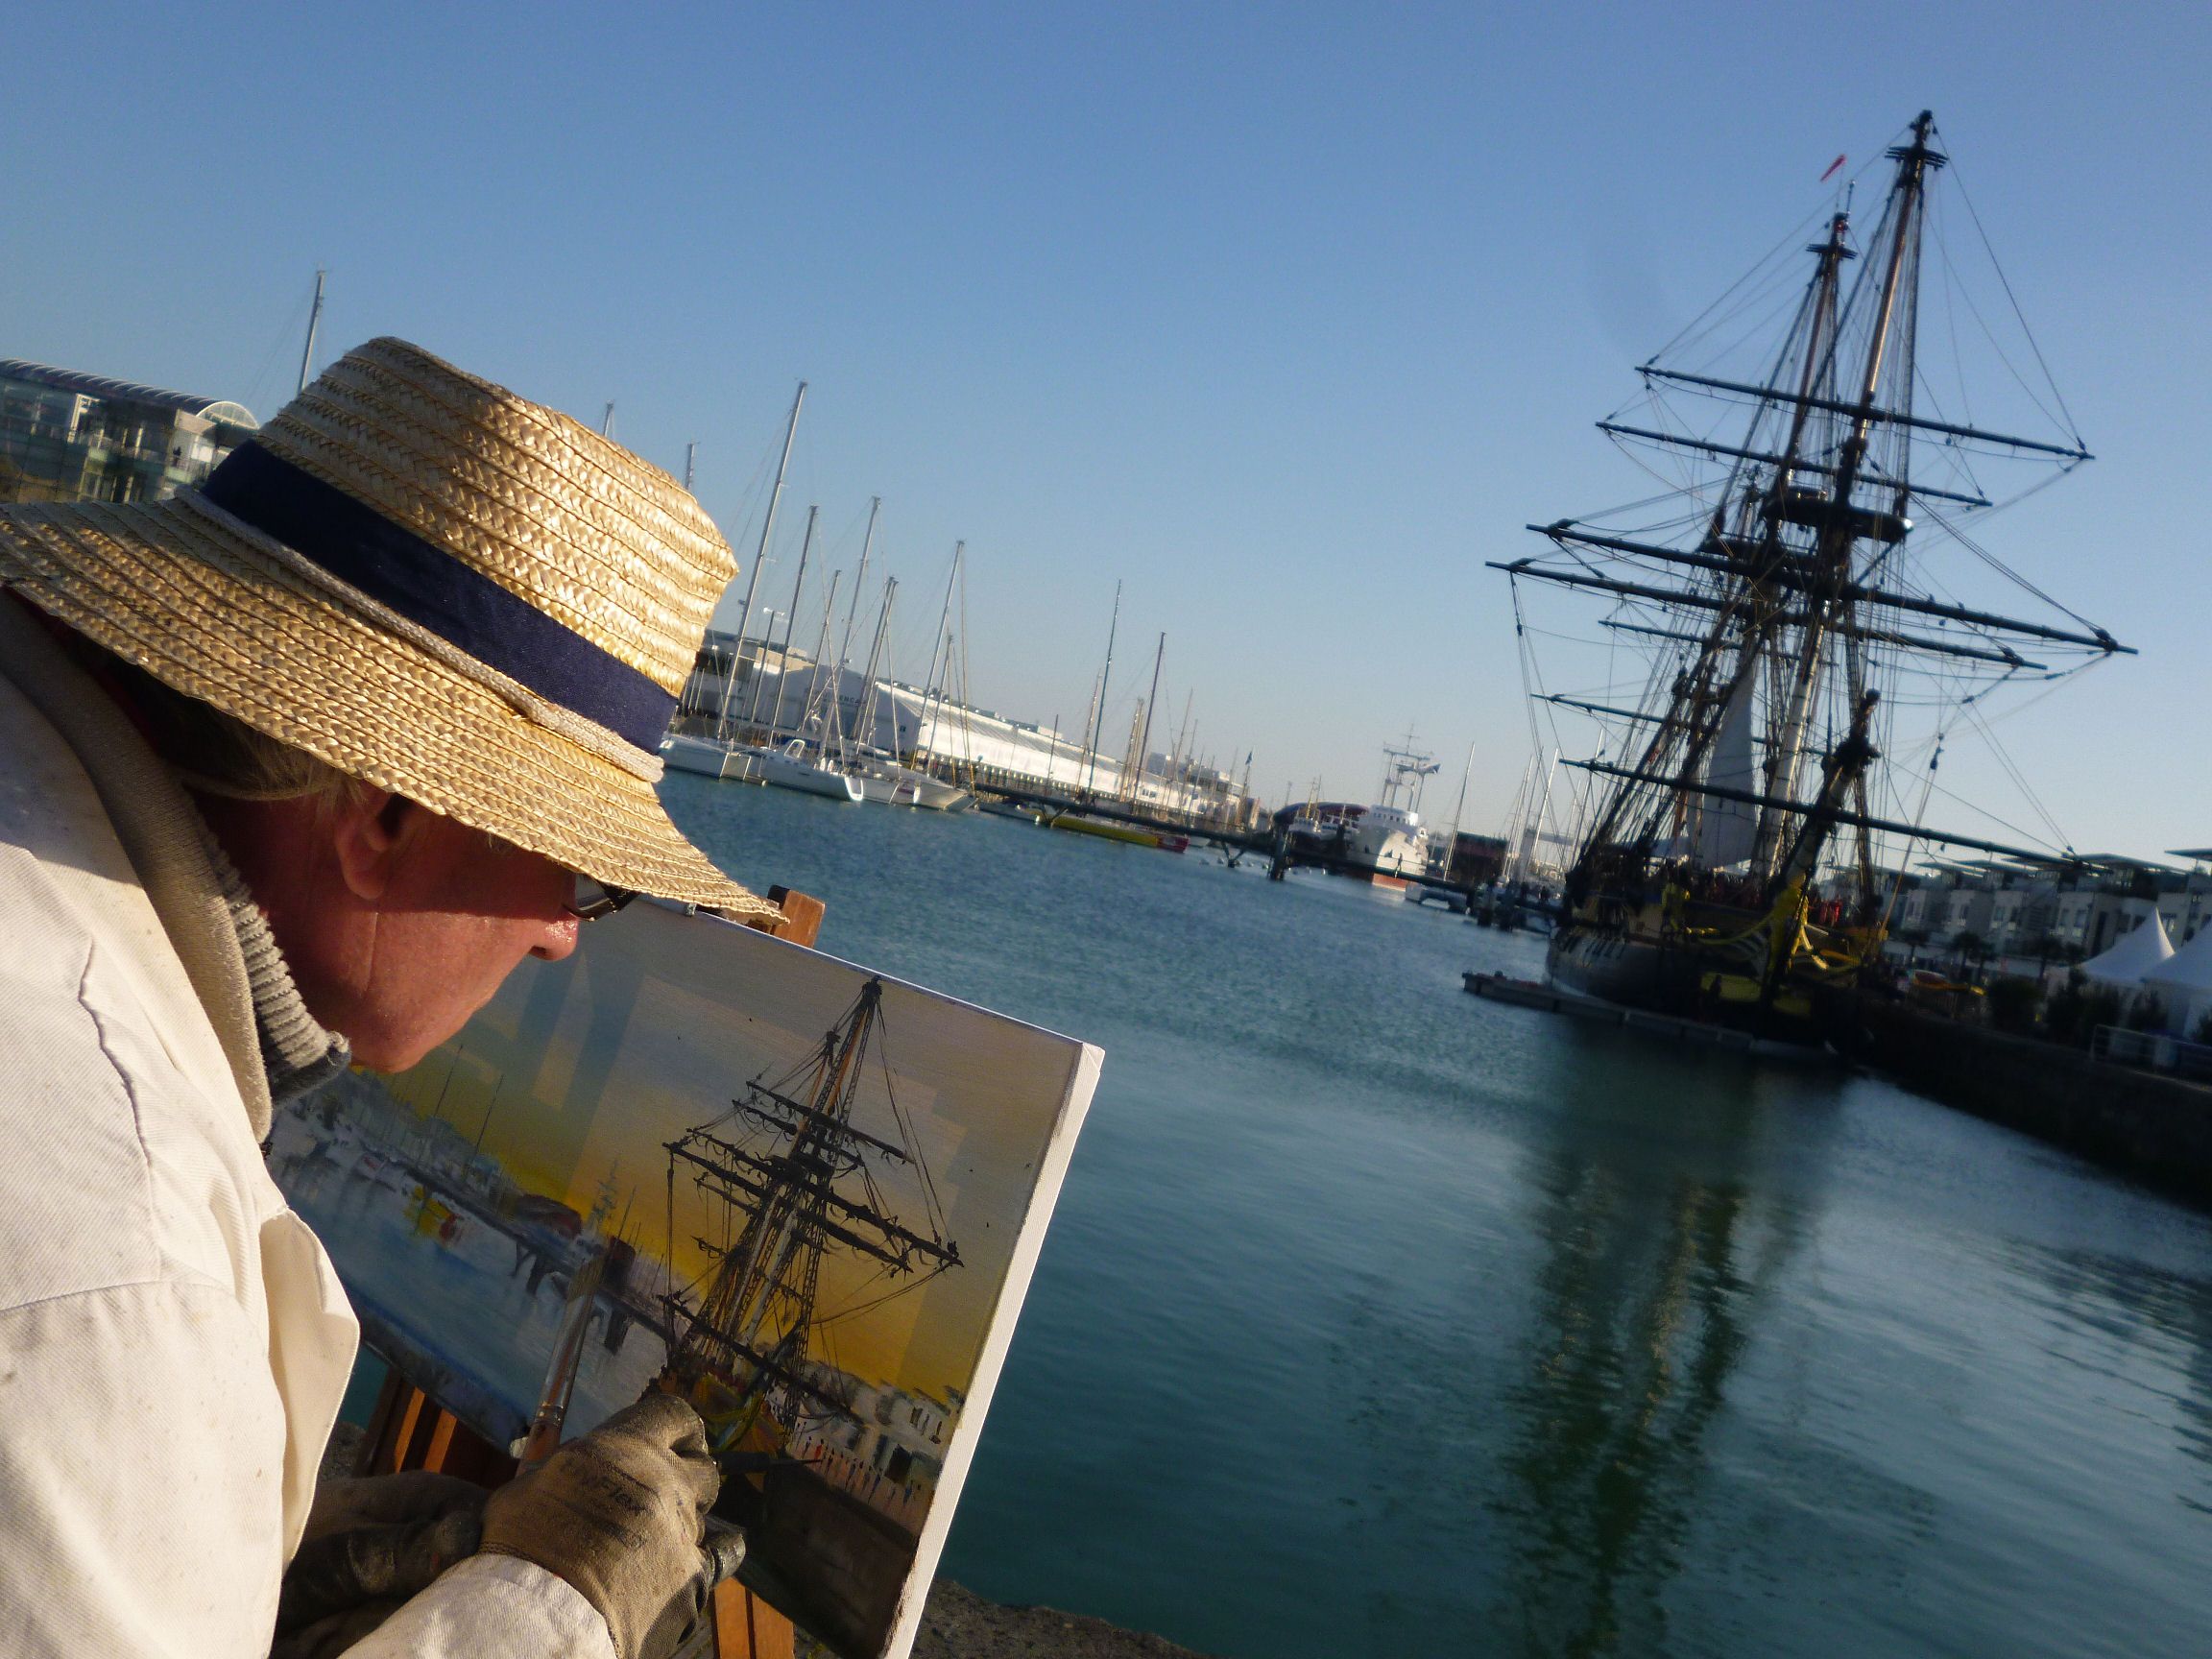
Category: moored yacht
<point>1386,843</point>
<point>793,766</point>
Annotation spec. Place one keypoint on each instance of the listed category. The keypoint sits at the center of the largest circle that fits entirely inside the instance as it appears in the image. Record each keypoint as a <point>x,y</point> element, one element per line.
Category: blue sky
<point>1287,317</point>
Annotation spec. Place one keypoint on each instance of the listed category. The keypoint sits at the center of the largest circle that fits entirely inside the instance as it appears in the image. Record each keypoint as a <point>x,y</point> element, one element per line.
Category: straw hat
<point>432,584</point>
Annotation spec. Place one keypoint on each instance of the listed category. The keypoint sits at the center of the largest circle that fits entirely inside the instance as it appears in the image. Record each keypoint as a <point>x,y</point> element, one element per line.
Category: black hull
<point>1635,972</point>
<point>1616,967</point>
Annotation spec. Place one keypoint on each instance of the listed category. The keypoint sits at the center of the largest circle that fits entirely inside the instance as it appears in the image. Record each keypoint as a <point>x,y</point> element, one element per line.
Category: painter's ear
<point>365,833</point>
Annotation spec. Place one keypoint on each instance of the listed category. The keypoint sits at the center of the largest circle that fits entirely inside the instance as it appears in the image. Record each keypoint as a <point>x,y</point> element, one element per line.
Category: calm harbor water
<point>1377,1319</point>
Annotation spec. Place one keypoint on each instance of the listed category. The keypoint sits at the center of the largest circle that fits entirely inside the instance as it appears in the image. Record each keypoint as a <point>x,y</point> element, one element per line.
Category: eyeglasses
<point>595,899</point>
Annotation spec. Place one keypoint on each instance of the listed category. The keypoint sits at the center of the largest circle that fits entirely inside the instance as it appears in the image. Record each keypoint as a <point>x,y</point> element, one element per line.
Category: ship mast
<point>1742,622</point>
<point>1827,598</point>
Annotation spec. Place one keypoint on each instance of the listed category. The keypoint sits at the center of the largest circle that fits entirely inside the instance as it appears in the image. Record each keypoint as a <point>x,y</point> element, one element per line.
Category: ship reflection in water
<point>1648,1290</point>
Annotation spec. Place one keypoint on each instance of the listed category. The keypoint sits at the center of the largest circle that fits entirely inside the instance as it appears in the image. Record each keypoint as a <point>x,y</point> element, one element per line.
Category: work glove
<point>369,1544</point>
<point>621,1514</point>
<point>719,1558</point>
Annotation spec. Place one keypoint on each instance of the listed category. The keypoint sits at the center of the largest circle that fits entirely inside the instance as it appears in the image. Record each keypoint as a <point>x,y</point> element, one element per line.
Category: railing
<point>2153,1052</point>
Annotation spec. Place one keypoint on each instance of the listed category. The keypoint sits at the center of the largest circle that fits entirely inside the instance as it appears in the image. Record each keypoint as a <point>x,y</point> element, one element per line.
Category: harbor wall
<point>2155,1128</point>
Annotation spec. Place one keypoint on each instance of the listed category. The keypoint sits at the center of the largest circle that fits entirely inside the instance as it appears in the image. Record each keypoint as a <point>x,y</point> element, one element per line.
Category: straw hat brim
<point>194,600</point>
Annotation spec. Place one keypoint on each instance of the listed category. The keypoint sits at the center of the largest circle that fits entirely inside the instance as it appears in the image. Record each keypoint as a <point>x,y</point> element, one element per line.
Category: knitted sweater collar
<point>297,1052</point>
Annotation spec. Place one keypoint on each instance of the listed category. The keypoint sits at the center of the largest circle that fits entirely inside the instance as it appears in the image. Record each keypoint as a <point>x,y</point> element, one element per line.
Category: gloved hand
<point>369,1546</point>
<point>621,1515</point>
<point>719,1558</point>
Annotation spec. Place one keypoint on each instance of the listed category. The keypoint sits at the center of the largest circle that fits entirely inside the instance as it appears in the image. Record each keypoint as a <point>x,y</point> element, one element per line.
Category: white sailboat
<point>716,755</point>
<point>879,774</point>
<point>709,756</point>
<point>884,780</point>
<point>796,766</point>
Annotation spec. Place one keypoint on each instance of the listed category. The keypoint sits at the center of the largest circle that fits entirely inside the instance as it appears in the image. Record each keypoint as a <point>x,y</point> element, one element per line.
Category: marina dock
<point>1530,994</point>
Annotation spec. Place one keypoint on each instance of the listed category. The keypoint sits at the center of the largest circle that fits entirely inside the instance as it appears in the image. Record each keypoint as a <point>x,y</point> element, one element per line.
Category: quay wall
<point>2155,1128</point>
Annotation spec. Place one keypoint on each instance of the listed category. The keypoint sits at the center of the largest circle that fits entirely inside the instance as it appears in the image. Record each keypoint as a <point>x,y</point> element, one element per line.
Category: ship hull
<point>892,785</point>
<point>1634,970</point>
<point>706,757</point>
<point>789,772</point>
<point>1617,967</point>
<point>1130,835</point>
<point>1400,860</point>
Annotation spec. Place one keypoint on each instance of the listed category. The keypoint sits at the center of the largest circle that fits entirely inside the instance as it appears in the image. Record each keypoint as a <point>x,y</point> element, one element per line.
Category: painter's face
<point>428,917</point>
<point>468,912</point>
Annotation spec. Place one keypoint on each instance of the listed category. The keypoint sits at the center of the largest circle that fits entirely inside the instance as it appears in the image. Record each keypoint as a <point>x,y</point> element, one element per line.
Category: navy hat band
<point>430,588</point>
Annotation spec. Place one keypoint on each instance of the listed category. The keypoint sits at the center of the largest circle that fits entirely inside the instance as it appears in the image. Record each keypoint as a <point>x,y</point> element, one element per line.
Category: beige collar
<point>220,938</point>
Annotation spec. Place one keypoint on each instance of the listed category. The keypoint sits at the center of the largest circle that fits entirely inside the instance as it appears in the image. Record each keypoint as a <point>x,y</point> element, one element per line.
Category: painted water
<point>1380,1319</point>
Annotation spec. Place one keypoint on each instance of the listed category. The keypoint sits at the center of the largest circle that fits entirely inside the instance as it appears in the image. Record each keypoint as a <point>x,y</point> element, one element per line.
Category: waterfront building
<point>68,436</point>
<point>2023,910</point>
<point>886,1446</point>
<point>1475,859</point>
<point>789,693</point>
<point>2185,905</point>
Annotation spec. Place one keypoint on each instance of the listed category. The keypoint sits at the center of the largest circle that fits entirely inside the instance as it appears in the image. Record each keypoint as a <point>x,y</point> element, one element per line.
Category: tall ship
<point>1386,842</point>
<point>1800,605</point>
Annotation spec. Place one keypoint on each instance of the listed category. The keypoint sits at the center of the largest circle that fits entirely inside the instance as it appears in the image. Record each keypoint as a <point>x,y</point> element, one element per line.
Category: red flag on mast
<point>1833,168</point>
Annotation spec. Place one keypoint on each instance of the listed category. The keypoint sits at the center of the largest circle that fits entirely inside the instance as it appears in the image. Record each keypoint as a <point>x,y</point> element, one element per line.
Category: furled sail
<point>1727,828</point>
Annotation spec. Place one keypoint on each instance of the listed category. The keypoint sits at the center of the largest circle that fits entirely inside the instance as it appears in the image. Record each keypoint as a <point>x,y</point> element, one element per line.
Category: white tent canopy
<point>2136,954</point>
<point>2183,982</point>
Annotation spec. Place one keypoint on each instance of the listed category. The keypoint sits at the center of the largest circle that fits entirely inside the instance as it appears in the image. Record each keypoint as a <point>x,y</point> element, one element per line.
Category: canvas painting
<point>697,1157</point>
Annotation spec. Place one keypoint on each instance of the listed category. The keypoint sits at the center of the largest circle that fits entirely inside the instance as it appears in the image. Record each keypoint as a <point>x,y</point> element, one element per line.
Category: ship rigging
<point>1791,625</point>
<point>789,1160</point>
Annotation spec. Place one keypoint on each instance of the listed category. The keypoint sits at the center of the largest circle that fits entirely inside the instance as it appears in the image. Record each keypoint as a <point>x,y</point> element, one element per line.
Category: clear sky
<point>1287,316</point>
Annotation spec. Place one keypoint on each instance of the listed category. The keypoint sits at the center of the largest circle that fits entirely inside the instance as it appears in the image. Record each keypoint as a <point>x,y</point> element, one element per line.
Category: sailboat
<point>1795,622</point>
<point>715,752</point>
<point>877,772</point>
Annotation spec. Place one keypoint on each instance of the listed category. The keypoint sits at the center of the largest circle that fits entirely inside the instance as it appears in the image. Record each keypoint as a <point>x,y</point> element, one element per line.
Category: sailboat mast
<point>1458,806</point>
<point>1151,697</point>
<point>965,700</point>
<point>852,610</point>
<point>1129,753</point>
<point>1090,710</point>
<point>807,715</point>
<point>314,322</point>
<point>759,558</point>
<point>790,620</point>
<point>1099,720</point>
<point>864,716</point>
<point>943,643</point>
<point>1533,835</point>
<point>1178,761</point>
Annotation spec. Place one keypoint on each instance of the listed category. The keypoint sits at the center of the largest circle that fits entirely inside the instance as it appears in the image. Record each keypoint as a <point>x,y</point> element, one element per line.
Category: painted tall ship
<point>794,1181</point>
<point>1791,603</point>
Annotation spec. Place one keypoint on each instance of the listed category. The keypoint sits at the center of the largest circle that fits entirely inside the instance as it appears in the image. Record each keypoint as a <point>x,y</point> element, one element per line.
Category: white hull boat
<point>791,767</point>
<point>708,756</point>
<point>888,783</point>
